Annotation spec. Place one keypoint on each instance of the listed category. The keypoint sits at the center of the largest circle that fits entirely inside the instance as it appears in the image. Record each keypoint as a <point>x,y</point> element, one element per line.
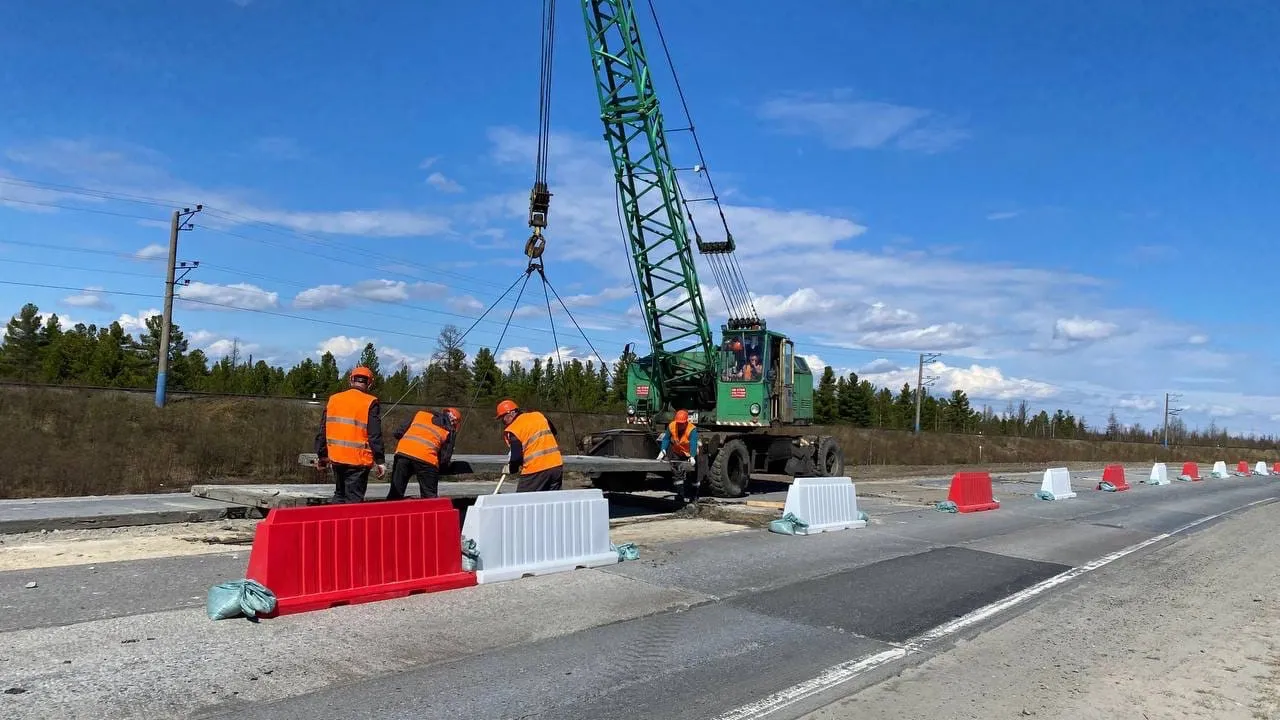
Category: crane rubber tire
<point>830,458</point>
<point>730,474</point>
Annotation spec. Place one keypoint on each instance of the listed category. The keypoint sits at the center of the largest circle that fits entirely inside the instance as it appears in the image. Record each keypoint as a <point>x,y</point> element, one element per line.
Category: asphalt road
<point>703,628</point>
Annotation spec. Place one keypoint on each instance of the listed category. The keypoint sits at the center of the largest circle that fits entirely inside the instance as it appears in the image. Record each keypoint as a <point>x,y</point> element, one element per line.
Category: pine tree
<point>825,407</point>
<point>369,359</point>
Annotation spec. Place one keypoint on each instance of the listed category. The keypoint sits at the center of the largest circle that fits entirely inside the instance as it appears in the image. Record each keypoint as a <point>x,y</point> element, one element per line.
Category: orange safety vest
<point>346,428</point>
<point>423,439</point>
<point>541,451</point>
<point>680,442</point>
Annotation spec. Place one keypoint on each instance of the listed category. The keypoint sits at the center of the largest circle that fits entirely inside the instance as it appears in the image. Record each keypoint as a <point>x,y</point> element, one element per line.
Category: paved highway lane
<point>692,630</point>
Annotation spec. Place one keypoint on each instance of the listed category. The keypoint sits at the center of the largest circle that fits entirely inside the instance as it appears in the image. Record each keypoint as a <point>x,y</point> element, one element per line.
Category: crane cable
<point>729,277</point>
<point>539,195</point>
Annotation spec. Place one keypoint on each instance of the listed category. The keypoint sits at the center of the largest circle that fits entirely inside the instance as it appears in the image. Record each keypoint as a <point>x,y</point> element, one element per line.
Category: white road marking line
<point>846,671</point>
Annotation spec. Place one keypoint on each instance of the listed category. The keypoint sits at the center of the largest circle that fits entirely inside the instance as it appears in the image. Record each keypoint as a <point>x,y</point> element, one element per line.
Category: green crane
<point>750,395</point>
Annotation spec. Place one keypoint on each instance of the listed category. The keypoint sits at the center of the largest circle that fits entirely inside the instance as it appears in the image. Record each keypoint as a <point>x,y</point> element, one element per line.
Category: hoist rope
<point>729,277</point>
<point>544,91</point>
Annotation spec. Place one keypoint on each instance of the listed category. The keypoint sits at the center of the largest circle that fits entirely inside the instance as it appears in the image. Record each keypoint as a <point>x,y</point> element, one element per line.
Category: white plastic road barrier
<point>1261,468</point>
<point>1159,474</point>
<point>825,503</point>
<point>538,533</point>
<point>1220,469</point>
<point>1057,482</point>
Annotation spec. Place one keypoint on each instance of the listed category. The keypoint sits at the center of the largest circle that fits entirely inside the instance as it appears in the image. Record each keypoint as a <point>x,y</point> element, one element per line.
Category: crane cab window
<point>742,358</point>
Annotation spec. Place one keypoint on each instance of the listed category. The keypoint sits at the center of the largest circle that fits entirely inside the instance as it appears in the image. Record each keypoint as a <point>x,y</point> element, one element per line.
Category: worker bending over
<point>425,448</point>
<point>535,451</point>
<point>350,438</point>
<point>680,444</point>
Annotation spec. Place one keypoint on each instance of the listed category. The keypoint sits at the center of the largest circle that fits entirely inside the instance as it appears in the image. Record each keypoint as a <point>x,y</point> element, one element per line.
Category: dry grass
<point>67,442</point>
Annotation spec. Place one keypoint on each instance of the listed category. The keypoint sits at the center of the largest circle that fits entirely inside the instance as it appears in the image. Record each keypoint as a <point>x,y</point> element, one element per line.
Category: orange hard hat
<point>362,371</point>
<point>736,345</point>
<point>454,413</point>
<point>682,416</point>
<point>506,406</point>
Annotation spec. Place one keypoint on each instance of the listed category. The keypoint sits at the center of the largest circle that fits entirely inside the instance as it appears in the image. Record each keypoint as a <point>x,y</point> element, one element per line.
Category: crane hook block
<point>539,205</point>
<point>534,247</point>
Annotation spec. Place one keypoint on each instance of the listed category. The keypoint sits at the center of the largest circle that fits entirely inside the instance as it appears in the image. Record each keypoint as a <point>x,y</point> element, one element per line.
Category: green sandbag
<point>470,555</point>
<point>947,506</point>
<point>1045,495</point>
<point>239,597</point>
<point>626,551</point>
<point>787,525</point>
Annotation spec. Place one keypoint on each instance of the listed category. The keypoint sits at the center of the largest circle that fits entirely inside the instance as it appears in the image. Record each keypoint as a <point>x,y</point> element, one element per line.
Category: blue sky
<point>1070,201</point>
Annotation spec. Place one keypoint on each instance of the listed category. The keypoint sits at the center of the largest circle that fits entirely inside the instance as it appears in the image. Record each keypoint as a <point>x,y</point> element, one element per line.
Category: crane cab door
<point>782,393</point>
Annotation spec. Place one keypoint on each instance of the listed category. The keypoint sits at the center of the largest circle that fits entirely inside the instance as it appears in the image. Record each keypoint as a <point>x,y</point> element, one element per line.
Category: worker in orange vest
<point>350,438</point>
<point>425,448</point>
<point>535,451</point>
<point>680,444</point>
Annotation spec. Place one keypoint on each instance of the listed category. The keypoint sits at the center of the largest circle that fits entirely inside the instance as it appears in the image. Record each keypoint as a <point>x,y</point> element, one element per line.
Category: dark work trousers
<point>541,480</point>
<point>349,483</point>
<point>406,467</point>
<point>692,486</point>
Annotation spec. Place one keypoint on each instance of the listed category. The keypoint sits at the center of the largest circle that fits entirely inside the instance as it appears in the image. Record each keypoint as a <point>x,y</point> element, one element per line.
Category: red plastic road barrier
<point>328,555</point>
<point>971,492</point>
<point>1192,470</point>
<point>1242,467</point>
<point>1276,468</point>
<point>1114,474</point>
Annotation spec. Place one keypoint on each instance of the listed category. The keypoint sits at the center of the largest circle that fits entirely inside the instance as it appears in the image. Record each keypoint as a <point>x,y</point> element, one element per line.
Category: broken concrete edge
<point>160,517</point>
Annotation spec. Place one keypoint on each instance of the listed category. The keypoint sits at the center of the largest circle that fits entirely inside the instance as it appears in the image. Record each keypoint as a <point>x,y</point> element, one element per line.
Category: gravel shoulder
<point>1188,630</point>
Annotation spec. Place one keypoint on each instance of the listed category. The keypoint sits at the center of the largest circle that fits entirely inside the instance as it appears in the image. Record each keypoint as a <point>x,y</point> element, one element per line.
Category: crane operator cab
<point>757,378</point>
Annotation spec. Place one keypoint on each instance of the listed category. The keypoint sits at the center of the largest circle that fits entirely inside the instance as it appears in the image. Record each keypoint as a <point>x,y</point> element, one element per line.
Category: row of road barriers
<point>310,558</point>
<point>324,556</point>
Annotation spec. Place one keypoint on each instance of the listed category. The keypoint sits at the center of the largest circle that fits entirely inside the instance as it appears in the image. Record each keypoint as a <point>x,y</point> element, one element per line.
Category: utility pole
<point>924,357</point>
<point>178,223</point>
<point>1168,412</point>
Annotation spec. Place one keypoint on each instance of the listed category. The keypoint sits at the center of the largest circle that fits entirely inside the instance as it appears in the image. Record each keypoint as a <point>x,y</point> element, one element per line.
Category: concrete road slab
<point>675,665</point>
<point>756,560</point>
<point>18,516</point>
<point>1065,543</point>
<point>179,663</point>
<point>893,600</point>
<point>82,593</point>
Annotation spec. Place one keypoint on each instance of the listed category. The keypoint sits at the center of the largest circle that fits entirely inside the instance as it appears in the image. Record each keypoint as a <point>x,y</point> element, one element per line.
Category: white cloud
<point>1198,339</point>
<point>141,171</point>
<point>90,298</point>
<point>1078,329</point>
<point>66,322</point>
<point>845,123</point>
<point>523,355</point>
<point>438,181</point>
<point>152,252</point>
<point>137,323</point>
<point>228,347</point>
<point>944,336</point>
<point>977,381</point>
<point>346,350</point>
<point>1004,215</point>
<point>364,223</point>
<point>328,297</point>
<point>428,162</point>
<point>342,346</point>
<point>201,338</point>
<point>464,304</point>
<point>238,295</point>
<point>880,366</point>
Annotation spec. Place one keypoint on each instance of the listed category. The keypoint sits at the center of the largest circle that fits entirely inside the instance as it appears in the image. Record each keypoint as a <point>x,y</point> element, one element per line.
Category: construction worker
<point>535,451</point>
<point>679,444</point>
<point>425,447</point>
<point>350,438</point>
